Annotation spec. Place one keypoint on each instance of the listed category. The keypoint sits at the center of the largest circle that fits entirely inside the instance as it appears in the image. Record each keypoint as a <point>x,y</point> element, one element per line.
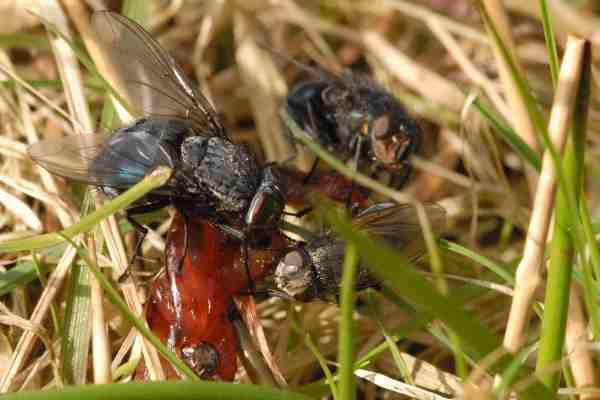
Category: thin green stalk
<point>438,270</point>
<point>562,247</point>
<point>478,258</point>
<point>77,327</point>
<point>157,178</point>
<point>588,279</point>
<point>398,359</point>
<point>161,390</point>
<point>509,135</point>
<point>550,42</point>
<point>347,382</point>
<point>139,324</point>
<point>558,284</point>
<point>323,363</point>
<point>136,10</point>
<point>42,278</point>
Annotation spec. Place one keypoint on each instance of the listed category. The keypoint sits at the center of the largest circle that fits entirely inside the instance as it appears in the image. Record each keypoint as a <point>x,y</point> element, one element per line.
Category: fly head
<point>294,274</point>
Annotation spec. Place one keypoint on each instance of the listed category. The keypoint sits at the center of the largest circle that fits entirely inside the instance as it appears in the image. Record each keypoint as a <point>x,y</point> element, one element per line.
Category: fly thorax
<point>225,171</point>
<point>294,273</point>
<point>193,151</point>
<point>268,202</point>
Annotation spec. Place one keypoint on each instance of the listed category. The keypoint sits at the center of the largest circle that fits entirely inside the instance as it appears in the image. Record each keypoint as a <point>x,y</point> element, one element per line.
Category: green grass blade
<point>137,10</point>
<point>331,380</point>
<point>509,135</point>
<point>347,384</point>
<point>562,248</point>
<point>152,181</point>
<point>21,274</point>
<point>550,41</point>
<point>25,41</point>
<point>162,390</point>
<point>77,327</point>
<point>493,266</point>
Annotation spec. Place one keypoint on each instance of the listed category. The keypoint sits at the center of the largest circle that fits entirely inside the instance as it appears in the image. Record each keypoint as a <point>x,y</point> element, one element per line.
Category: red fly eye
<point>266,208</point>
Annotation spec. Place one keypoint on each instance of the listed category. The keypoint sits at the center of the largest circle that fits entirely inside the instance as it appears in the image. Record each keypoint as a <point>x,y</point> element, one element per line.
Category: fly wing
<point>149,77</point>
<point>399,225</point>
<point>118,161</point>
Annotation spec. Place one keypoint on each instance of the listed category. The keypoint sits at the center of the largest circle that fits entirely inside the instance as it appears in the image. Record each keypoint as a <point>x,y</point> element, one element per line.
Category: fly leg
<point>186,236</point>
<point>401,179</point>
<point>311,172</point>
<point>241,235</point>
<point>355,161</point>
<point>251,284</point>
<point>129,214</point>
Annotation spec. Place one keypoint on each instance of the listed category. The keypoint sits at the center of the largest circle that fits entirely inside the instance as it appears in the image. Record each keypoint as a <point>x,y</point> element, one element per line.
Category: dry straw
<point>529,271</point>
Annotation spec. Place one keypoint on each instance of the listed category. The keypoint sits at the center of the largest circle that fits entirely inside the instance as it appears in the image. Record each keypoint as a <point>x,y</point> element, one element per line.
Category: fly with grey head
<point>314,270</point>
<point>213,178</point>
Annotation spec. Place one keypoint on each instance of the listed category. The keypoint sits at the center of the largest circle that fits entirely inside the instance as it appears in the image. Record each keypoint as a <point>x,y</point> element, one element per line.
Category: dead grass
<point>433,54</point>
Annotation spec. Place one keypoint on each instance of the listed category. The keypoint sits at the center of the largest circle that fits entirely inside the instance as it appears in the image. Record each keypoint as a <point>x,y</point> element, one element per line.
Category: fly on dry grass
<point>502,302</point>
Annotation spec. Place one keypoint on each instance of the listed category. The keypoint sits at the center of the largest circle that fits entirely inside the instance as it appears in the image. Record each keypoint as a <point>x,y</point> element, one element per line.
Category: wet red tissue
<point>331,184</point>
<point>213,272</point>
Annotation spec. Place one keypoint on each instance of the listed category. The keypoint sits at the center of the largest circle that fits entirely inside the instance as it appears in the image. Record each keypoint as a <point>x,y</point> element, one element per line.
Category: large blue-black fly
<point>213,178</point>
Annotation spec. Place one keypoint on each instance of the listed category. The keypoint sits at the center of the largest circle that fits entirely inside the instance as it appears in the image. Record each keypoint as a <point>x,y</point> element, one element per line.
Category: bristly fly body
<point>355,118</point>
<point>313,270</point>
<point>213,178</point>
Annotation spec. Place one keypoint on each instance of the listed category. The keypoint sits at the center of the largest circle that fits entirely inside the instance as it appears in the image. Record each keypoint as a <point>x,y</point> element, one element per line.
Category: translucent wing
<point>149,77</point>
<point>119,161</point>
<point>399,225</point>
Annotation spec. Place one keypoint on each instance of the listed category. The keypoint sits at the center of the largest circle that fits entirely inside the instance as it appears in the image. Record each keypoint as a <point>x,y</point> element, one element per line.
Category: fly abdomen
<point>305,105</point>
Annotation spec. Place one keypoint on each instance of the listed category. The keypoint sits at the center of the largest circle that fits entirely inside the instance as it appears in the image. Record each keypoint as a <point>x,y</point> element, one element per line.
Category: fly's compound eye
<point>203,358</point>
<point>293,274</point>
<point>390,145</point>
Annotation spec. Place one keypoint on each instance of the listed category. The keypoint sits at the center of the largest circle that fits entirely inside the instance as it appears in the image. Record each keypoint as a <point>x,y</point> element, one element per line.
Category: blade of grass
<point>347,383</point>
<point>42,278</point>
<point>509,135</point>
<point>529,270</point>
<point>497,269</point>
<point>323,363</point>
<point>417,320</point>
<point>157,178</point>
<point>21,274</point>
<point>162,390</point>
<point>562,247</point>
<point>23,40</point>
<point>77,327</point>
<point>550,41</point>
